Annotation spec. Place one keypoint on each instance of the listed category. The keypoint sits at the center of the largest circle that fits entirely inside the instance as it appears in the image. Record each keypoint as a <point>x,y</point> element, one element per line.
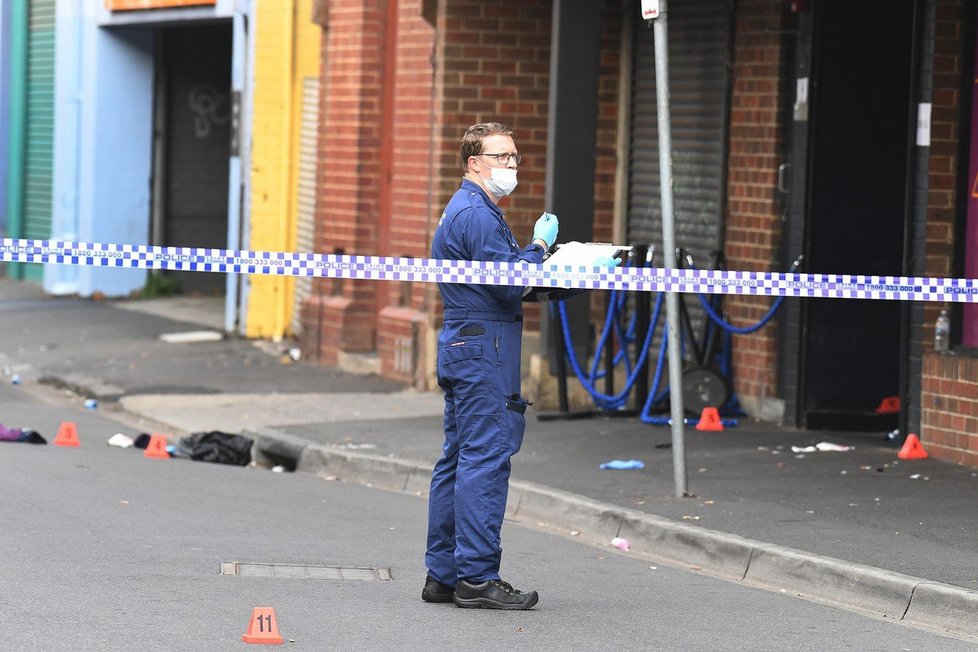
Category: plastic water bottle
<point>942,332</point>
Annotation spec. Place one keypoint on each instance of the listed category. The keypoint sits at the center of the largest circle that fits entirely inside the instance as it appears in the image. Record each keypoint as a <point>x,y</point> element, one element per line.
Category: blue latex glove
<point>546,229</point>
<point>606,261</point>
<point>623,465</point>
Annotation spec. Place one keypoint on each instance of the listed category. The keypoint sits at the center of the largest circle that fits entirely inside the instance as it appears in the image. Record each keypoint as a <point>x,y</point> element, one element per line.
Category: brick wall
<point>949,407</point>
<point>949,383</point>
<point>493,63</point>
<point>496,66</point>
<point>348,194</point>
<point>404,307</point>
<point>943,183</point>
<point>609,81</point>
<point>478,78</point>
<point>753,221</point>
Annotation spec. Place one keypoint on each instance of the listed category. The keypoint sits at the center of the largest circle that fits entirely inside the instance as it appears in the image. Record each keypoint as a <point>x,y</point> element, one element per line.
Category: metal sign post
<point>661,42</point>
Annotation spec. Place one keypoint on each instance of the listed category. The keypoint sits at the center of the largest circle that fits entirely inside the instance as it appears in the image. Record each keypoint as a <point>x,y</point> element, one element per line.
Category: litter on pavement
<point>214,446</point>
<point>191,337</point>
<point>822,446</point>
<point>217,447</point>
<point>120,440</point>
<point>621,544</point>
<point>623,465</point>
<point>21,434</point>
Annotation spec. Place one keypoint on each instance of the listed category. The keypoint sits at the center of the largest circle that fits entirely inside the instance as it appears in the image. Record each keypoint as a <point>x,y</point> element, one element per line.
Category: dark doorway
<point>193,140</point>
<point>858,158</point>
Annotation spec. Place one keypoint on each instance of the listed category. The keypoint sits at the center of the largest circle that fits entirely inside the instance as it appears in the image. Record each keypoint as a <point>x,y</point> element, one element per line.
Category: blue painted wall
<point>103,145</point>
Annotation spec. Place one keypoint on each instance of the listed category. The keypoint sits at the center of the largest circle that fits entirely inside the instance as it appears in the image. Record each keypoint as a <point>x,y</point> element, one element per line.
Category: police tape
<point>427,270</point>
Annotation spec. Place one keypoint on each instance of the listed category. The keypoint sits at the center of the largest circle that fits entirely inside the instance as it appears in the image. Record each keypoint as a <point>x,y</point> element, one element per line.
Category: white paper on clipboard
<point>584,254</point>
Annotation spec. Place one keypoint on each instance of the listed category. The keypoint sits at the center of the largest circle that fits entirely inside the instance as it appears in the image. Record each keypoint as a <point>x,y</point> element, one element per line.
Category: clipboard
<point>574,254</point>
<point>582,254</point>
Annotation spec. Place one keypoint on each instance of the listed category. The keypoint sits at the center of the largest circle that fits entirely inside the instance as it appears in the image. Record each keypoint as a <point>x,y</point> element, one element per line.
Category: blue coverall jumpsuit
<point>479,371</point>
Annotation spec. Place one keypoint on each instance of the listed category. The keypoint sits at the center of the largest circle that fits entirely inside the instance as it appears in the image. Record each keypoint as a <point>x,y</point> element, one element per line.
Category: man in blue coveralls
<point>479,371</point>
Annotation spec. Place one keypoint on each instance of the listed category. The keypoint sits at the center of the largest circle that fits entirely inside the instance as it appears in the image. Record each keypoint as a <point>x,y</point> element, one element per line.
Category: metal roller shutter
<point>699,33</point>
<point>39,142</point>
<point>307,189</point>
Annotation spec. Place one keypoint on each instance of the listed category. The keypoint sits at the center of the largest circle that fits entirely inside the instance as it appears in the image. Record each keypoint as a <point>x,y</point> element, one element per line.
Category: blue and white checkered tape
<point>427,270</point>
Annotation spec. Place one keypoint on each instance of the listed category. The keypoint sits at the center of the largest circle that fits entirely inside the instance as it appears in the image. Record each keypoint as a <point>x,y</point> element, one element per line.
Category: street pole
<point>661,43</point>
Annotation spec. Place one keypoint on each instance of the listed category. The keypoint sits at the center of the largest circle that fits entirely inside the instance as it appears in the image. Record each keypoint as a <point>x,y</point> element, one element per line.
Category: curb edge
<point>886,594</point>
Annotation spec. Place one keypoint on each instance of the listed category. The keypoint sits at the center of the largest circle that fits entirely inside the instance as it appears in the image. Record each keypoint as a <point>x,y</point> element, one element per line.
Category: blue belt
<point>452,314</point>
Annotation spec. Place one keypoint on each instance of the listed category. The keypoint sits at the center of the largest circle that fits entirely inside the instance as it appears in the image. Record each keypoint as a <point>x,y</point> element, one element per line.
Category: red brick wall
<point>348,194</point>
<point>496,66</point>
<point>754,217</point>
<point>949,392</point>
<point>414,203</point>
<point>478,78</point>
<point>412,145</point>
<point>949,407</point>
<point>607,136</point>
<point>946,132</point>
<point>493,64</point>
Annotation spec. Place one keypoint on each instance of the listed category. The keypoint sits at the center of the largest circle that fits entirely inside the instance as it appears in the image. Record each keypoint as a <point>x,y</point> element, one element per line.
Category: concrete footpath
<point>859,528</point>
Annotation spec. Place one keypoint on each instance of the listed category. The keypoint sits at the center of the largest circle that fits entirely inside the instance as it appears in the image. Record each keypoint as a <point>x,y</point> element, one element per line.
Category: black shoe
<point>494,594</point>
<point>435,591</point>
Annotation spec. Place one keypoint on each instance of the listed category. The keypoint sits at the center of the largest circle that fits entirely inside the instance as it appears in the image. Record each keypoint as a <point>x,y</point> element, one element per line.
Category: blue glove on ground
<point>606,261</point>
<point>623,465</point>
<point>546,229</point>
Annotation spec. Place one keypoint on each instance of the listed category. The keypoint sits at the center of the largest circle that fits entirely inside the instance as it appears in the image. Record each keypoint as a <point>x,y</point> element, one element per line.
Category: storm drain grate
<point>297,571</point>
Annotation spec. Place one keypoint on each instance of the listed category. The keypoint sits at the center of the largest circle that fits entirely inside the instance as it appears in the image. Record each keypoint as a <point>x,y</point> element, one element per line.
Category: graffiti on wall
<point>210,106</point>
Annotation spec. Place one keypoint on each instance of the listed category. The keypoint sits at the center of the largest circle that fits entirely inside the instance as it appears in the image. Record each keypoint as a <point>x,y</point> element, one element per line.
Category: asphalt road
<point>104,549</point>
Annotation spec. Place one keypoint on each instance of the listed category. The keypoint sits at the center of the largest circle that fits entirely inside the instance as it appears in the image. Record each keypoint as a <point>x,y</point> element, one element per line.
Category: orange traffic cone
<point>710,420</point>
<point>157,448</point>
<point>263,628</point>
<point>889,405</point>
<point>912,450</point>
<point>67,434</point>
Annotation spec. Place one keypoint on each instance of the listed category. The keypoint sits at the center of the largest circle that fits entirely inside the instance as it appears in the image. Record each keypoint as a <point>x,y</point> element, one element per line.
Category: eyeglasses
<point>504,157</point>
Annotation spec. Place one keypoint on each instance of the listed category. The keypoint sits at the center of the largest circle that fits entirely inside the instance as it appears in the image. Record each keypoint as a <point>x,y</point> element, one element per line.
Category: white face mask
<point>502,182</point>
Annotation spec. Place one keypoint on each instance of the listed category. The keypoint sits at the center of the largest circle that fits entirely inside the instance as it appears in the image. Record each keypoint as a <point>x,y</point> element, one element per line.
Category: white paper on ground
<point>829,446</point>
<point>823,446</point>
<point>120,440</point>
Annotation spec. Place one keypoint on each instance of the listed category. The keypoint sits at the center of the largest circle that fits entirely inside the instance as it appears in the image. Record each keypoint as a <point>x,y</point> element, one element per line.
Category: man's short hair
<point>474,135</point>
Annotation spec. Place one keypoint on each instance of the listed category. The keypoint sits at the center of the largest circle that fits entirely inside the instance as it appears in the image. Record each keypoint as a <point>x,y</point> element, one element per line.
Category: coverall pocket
<point>462,350</point>
<point>515,421</point>
<point>461,367</point>
<point>517,403</point>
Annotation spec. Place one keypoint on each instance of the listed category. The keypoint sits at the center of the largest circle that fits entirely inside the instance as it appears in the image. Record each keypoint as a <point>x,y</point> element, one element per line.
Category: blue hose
<point>625,337</point>
<point>730,328</point>
<point>602,400</point>
<point>613,321</point>
<point>652,399</point>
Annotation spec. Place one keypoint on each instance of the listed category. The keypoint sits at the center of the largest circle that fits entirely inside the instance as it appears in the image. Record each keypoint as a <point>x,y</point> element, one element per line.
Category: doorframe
<point>794,355</point>
<point>794,236</point>
<point>917,173</point>
<point>234,293</point>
